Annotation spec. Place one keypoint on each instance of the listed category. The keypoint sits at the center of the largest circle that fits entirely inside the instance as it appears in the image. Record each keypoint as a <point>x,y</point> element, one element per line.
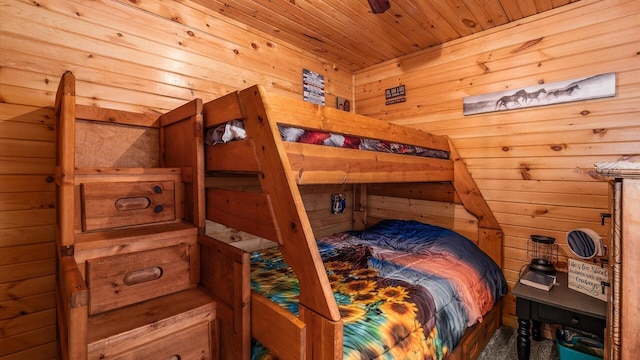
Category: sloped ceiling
<point>349,34</point>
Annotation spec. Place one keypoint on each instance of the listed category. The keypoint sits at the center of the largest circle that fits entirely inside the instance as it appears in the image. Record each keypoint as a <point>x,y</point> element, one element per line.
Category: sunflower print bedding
<point>405,290</point>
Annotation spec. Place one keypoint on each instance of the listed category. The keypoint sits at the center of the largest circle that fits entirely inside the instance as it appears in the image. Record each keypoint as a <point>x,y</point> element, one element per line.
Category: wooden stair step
<point>156,232</point>
<point>138,324</point>
<point>122,241</point>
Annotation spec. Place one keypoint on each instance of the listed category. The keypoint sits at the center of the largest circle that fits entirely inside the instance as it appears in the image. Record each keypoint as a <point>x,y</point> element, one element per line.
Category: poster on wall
<point>313,86</point>
<point>343,104</point>
<point>592,87</point>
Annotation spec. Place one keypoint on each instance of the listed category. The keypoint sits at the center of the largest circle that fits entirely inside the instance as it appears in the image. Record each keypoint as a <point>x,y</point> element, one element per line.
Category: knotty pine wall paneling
<point>535,166</point>
<point>27,238</point>
<point>144,56</point>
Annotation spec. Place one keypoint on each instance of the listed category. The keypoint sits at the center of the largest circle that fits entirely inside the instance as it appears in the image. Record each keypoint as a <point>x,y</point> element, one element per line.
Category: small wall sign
<point>589,278</point>
<point>313,86</point>
<point>395,95</point>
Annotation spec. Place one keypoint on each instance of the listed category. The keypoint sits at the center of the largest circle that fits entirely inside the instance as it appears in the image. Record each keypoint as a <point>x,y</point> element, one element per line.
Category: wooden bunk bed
<point>257,185</point>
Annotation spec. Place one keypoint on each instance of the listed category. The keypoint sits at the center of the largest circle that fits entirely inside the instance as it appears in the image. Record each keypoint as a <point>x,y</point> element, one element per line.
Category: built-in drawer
<point>473,345</point>
<point>120,280</point>
<point>108,205</point>
<point>191,343</point>
<point>555,315</point>
<point>179,324</point>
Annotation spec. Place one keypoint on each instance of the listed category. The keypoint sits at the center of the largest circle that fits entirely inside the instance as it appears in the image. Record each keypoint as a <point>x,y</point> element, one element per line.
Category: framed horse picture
<point>591,87</point>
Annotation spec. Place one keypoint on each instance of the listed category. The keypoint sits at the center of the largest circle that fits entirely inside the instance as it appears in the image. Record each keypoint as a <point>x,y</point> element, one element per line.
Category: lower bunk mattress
<point>405,290</point>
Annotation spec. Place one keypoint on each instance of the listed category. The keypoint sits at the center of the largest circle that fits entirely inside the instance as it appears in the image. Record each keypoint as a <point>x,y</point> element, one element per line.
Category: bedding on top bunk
<point>234,130</point>
<point>405,290</point>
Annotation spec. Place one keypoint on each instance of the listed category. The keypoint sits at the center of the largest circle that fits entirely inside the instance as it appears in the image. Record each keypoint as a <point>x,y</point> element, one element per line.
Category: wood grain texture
<point>164,53</point>
<point>277,210</point>
<point>148,58</point>
<point>286,337</point>
<point>233,297</point>
<point>630,310</point>
<point>534,166</point>
<point>110,287</point>
<point>354,38</point>
<point>131,327</point>
<point>27,240</point>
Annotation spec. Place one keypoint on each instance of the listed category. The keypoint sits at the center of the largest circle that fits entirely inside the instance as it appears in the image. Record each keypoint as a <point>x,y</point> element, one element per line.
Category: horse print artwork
<point>511,99</point>
<point>586,88</point>
<point>529,97</point>
<point>562,92</point>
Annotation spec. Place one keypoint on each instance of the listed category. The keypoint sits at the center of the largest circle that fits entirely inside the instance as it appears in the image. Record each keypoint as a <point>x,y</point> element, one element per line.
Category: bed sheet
<point>405,290</point>
<point>234,130</point>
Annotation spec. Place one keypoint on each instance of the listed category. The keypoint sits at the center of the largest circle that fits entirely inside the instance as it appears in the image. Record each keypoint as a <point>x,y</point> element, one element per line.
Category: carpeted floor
<point>502,346</point>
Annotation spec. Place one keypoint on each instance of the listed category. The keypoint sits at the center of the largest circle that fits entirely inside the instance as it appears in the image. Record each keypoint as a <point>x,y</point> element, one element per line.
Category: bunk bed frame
<point>274,210</point>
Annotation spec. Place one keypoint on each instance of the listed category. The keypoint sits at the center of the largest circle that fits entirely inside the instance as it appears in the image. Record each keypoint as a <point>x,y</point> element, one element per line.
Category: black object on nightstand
<point>560,305</point>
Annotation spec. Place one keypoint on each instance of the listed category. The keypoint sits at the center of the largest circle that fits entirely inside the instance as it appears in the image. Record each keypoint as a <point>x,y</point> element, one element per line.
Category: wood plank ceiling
<point>349,34</point>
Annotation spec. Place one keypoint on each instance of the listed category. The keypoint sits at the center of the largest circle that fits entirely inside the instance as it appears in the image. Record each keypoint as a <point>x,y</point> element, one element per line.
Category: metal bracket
<point>603,261</point>
<point>68,250</point>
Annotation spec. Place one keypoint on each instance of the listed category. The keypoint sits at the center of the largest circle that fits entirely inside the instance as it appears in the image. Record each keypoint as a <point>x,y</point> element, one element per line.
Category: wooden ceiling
<point>349,34</point>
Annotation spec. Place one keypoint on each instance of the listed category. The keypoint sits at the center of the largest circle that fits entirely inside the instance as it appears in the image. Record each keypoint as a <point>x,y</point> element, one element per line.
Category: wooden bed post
<point>65,165</point>
<point>182,145</point>
<point>359,206</point>
<point>292,222</point>
<point>317,303</point>
<point>72,293</point>
<point>325,337</point>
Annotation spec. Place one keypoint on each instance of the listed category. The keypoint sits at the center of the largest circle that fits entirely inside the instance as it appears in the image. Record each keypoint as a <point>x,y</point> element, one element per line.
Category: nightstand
<point>560,305</point>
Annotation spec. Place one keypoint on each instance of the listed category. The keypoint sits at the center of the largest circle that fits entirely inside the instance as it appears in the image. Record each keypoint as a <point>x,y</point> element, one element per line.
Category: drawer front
<point>190,343</point>
<point>473,344</point>
<point>108,205</point>
<point>553,315</point>
<point>120,280</point>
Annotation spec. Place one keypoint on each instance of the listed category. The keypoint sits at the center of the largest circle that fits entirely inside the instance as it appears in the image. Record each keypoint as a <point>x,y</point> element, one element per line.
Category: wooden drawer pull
<point>133,203</point>
<point>173,357</point>
<point>142,276</point>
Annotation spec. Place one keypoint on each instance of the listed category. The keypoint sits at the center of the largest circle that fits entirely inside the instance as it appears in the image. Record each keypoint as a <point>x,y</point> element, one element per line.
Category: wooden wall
<point>144,56</point>
<point>535,166</point>
<point>27,218</point>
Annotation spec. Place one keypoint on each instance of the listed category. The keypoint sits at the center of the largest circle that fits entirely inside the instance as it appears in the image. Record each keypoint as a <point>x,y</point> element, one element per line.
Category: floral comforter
<point>405,290</point>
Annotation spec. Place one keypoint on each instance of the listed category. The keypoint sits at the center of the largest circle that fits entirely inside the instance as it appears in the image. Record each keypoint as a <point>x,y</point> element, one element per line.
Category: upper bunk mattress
<point>404,289</point>
<point>234,130</point>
